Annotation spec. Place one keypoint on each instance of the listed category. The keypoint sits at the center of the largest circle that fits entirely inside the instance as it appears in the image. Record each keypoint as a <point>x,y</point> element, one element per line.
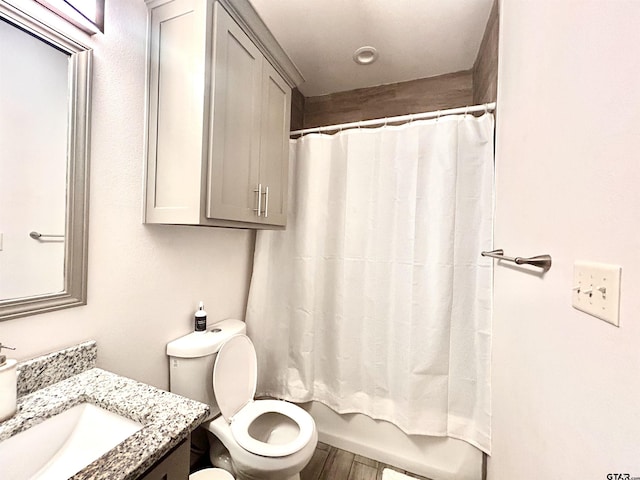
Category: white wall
<point>144,281</point>
<point>566,386</point>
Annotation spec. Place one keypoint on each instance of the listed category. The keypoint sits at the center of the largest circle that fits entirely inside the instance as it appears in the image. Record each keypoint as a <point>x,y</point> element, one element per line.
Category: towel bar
<point>37,236</point>
<point>541,261</point>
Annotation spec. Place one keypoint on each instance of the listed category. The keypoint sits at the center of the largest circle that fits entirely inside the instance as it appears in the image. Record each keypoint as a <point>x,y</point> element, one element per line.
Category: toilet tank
<point>191,360</point>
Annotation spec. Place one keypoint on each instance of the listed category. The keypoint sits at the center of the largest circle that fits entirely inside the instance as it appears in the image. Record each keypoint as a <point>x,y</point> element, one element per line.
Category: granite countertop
<point>167,418</point>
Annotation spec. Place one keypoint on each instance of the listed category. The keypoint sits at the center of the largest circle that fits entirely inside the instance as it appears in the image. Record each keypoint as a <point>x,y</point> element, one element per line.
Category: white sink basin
<point>63,445</point>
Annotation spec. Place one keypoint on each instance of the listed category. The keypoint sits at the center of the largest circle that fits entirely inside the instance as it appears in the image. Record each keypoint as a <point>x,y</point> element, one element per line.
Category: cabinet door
<point>234,142</point>
<point>173,466</point>
<point>175,117</point>
<point>274,146</point>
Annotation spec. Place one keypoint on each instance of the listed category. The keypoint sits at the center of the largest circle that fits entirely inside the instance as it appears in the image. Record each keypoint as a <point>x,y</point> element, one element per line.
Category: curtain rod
<point>489,107</point>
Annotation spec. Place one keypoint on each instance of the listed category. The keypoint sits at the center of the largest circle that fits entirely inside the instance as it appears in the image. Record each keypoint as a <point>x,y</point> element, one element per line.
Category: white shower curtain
<point>375,299</point>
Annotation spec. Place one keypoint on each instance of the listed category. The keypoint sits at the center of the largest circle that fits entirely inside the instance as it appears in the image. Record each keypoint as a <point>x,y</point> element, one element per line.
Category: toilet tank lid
<point>200,344</point>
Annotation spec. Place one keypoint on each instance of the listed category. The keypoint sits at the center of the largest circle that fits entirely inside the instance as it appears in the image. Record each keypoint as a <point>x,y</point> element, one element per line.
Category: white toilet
<point>263,439</point>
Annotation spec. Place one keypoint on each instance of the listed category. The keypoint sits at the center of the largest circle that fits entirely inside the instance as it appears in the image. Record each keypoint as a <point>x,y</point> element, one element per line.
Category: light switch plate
<point>596,290</point>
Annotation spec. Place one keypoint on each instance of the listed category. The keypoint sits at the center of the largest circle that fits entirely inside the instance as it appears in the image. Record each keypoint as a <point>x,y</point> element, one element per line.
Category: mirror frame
<point>74,292</point>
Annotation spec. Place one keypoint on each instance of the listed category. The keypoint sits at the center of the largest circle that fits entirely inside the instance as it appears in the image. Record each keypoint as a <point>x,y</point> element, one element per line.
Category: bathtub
<point>439,458</point>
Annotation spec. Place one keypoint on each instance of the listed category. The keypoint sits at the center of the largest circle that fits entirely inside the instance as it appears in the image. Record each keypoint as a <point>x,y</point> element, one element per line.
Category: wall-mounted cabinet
<point>218,120</point>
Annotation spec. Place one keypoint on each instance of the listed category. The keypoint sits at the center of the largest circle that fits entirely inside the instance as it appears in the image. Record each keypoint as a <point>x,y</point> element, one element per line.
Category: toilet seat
<point>244,418</point>
<point>234,384</point>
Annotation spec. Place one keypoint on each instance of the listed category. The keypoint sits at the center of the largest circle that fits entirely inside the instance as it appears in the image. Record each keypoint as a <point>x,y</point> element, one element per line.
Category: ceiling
<point>414,38</point>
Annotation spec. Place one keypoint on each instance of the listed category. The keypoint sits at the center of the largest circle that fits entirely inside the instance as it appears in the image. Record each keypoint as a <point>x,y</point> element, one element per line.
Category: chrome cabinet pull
<point>259,192</point>
<point>266,202</point>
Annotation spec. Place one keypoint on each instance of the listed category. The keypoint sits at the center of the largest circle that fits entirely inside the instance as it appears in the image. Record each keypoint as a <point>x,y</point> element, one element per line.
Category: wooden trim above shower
<point>415,96</point>
<point>485,68</point>
<point>297,110</point>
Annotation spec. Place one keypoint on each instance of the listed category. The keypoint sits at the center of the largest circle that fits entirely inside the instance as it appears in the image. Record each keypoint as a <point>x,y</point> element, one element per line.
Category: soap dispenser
<point>200,320</point>
<point>8,385</point>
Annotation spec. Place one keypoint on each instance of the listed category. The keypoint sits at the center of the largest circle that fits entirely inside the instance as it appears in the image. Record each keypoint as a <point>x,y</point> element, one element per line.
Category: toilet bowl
<point>251,466</point>
<point>266,439</point>
<point>255,439</point>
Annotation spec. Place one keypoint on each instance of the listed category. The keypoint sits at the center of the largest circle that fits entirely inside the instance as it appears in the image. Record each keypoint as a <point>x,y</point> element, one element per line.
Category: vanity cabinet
<point>173,466</point>
<point>218,122</point>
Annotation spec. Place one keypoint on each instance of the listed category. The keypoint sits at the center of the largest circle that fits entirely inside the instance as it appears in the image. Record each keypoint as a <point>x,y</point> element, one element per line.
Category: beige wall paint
<point>144,281</point>
<point>566,385</point>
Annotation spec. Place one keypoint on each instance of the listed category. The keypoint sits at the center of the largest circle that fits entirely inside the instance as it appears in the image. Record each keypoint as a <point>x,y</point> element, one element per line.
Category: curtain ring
<point>486,108</point>
<point>437,115</point>
<point>466,110</point>
<point>385,121</point>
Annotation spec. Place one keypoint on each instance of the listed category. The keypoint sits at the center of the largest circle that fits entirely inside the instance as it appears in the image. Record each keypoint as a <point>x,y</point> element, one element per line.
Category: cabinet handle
<point>266,202</point>
<point>259,192</point>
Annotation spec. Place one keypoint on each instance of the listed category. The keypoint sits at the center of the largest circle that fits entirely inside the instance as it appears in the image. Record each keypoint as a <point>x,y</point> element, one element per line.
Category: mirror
<point>44,149</point>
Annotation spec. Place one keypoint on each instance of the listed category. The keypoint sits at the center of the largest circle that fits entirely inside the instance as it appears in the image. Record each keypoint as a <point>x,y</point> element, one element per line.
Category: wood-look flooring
<point>331,463</point>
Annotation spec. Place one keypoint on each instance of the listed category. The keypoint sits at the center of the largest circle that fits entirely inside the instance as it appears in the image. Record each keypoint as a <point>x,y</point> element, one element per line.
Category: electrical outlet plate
<point>596,290</point>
